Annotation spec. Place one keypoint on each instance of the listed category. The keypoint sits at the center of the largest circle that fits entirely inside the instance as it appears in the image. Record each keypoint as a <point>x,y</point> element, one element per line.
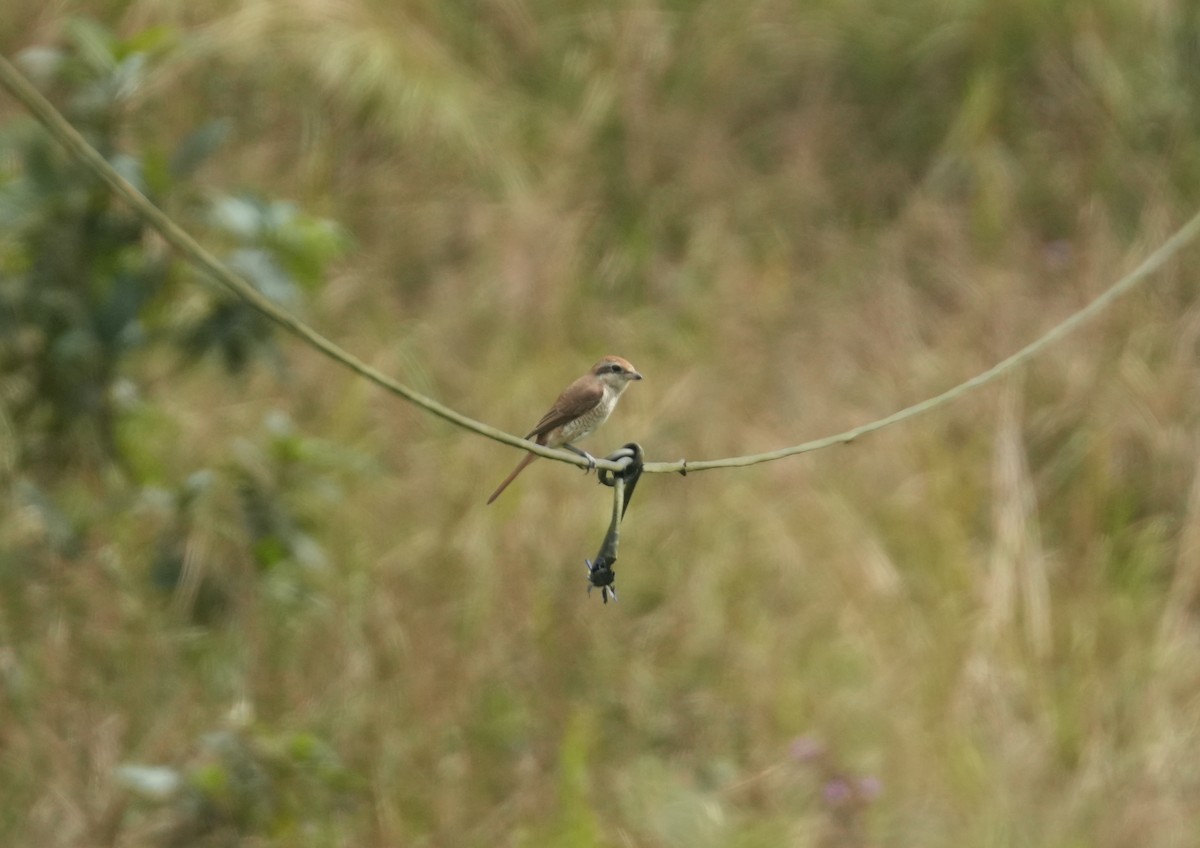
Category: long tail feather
<point>513,476</point>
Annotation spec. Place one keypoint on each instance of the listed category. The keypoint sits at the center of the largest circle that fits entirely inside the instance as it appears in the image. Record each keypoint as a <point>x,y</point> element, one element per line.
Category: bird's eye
<point>615,368</point>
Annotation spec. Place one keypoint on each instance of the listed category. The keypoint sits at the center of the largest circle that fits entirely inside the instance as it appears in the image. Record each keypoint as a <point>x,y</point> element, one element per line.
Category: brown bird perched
<point>580,409</point>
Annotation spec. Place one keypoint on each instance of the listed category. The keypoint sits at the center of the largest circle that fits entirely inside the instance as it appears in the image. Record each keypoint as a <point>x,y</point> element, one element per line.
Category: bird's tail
<point>513,476</point>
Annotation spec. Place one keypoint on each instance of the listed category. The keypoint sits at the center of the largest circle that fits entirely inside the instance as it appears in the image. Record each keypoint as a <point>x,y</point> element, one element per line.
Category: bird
<point>580,409</point>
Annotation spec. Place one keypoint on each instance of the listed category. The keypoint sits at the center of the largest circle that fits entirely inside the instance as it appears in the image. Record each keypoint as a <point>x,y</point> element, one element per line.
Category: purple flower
<point>807,749</point>
<point>870,787</point>
<point>1058,254</point>
<point>837,792</point>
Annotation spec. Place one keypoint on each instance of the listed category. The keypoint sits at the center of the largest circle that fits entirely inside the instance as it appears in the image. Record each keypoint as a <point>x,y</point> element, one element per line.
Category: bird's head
<point>615,372</point>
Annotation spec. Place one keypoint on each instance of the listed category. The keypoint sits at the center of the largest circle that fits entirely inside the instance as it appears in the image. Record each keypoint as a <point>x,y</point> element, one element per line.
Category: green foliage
<point>242,782</point>
<point>263,508</point>
<point>83,283</point>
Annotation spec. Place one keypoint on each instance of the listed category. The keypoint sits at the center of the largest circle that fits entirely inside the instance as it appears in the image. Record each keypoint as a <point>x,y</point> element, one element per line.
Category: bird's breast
<point>585,424</point>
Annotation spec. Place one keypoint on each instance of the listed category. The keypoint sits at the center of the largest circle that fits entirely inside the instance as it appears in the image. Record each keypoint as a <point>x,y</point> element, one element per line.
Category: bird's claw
<point>587,457</point>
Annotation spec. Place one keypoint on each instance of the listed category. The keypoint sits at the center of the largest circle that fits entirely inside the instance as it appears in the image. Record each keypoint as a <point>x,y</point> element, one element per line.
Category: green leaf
<point>199,146</point>
<point>155,783</point>
<point>238,216</point>
<point>130,168</point>
<point>151,41</point>
<point>94,44</point>
<point>270,551</point>
<point>262,271</point>
<point>41,64</point>
<point>211,779</point>
<point>127,77</point>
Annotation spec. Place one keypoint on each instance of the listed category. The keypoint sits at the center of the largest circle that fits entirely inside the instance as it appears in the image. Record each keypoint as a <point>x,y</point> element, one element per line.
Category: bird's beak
<point>634,375</point>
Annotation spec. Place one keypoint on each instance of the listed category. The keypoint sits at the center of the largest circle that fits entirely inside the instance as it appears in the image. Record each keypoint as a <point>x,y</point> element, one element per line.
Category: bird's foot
<point>591,460</point>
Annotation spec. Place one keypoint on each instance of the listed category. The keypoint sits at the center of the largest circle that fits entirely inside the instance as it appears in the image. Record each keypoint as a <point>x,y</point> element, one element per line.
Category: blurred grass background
<point>256,601</point>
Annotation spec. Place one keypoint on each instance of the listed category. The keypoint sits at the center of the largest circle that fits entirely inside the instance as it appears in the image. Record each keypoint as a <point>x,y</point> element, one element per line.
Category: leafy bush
<point>84,282</point>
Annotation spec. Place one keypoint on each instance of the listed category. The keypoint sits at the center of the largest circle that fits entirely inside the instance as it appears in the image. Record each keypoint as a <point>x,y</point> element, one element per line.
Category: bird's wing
<point>578,398</point>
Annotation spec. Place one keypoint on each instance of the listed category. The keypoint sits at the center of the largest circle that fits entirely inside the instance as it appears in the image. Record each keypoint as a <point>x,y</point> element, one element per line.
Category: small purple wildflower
<point>807,749</point>
<point>837,792</point>
<point>870,787</point>
<point>1058,254</point>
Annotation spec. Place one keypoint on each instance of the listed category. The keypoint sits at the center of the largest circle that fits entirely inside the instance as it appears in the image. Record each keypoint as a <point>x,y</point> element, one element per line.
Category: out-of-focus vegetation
<point>247,599</point>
